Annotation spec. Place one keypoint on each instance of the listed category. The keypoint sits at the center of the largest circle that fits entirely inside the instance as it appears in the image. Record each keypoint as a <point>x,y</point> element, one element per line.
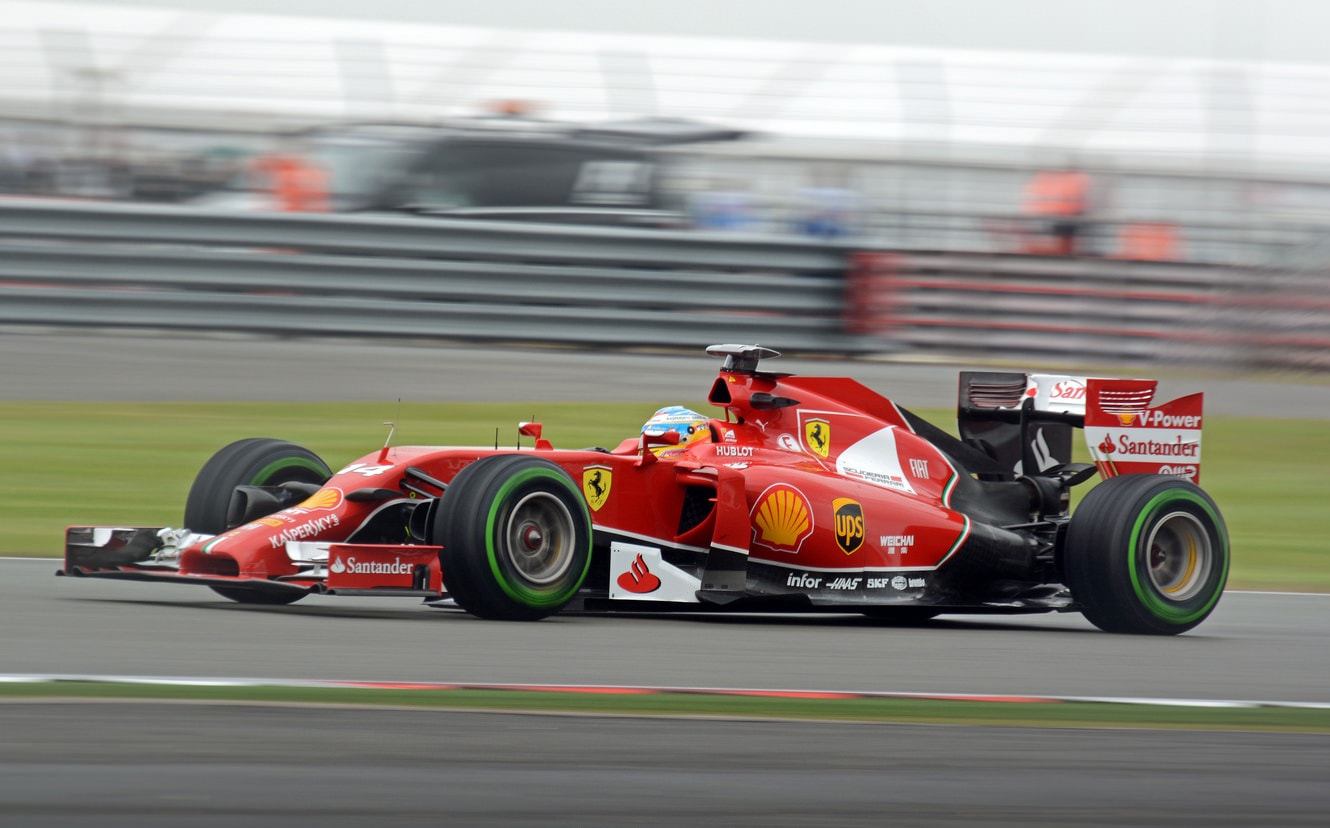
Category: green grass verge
<point>133,463</point>
<point>945,711</point>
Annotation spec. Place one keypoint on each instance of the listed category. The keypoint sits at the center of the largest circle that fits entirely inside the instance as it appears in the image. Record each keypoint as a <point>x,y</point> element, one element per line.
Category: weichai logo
<point>849,524</point>
<point>782,519</point>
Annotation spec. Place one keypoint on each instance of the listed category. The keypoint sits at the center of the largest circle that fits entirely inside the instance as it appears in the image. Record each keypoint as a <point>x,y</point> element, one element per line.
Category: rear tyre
<point>1146,554</point>
<point>516,538</point>
<point>257,461</point>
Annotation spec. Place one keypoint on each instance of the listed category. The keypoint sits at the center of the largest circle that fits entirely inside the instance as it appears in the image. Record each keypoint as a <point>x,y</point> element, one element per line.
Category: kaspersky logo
<point>782,518</point>
<point>596,482</point>
<point>849,524</point>
<point>817,436</point>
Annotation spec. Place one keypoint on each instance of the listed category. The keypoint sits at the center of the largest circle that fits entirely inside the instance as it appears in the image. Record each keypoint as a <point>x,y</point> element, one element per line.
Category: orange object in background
<point>1059,199</point>
<point>297,185</point>
<point>1149,241</point>
<point>1057,193</point>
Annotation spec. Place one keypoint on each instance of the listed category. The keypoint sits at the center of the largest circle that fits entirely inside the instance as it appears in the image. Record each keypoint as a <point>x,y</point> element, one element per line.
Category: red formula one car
<point>808,493</point>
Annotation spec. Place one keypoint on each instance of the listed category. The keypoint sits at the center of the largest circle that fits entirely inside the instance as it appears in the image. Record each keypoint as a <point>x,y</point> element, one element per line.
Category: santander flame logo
<point>639,579</point>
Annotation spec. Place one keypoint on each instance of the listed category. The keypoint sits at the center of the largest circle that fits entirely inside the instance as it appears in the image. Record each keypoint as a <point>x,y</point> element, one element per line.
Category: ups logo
<point>849,524</point>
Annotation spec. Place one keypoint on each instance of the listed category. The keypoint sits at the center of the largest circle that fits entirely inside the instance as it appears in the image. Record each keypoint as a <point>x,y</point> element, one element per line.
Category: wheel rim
<point>1180,556</point>
<point>539,538</point>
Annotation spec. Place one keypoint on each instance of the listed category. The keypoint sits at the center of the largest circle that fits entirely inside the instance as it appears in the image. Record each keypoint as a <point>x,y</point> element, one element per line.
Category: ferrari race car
<point>808,493</point>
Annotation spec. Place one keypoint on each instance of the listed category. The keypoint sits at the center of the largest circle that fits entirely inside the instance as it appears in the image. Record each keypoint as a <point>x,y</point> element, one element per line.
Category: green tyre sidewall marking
<point>265,474</point>
<point>1151,600</point>
<point>554,596</point>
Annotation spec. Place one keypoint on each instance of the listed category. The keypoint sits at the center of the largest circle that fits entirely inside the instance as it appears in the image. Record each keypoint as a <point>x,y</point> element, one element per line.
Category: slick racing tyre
<point>516,538</point>
<point>1146,553</point>
<point>258,461</point>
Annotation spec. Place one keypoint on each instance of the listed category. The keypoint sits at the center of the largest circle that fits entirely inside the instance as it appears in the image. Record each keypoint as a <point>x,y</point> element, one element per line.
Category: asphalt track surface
<point>173,764</point>
<point>79,763</point>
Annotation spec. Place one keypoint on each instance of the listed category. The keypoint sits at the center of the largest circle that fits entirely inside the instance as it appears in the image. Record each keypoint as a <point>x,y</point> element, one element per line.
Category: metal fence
<point>110,265</point>
<point>117,265</point>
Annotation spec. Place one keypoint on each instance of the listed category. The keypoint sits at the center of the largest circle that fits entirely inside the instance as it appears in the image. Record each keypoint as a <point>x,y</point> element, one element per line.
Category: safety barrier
<point>116,265</point>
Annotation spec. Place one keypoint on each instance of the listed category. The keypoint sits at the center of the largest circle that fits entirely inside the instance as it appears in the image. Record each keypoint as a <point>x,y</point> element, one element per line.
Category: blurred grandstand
<point>1215,161</point>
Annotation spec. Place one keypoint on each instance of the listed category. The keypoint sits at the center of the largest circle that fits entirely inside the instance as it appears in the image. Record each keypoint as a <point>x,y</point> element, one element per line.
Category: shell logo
<point>323,499</point>
<point>782,519</point>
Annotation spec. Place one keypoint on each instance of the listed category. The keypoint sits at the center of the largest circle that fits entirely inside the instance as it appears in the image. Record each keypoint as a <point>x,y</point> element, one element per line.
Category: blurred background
<point>1138,181</point>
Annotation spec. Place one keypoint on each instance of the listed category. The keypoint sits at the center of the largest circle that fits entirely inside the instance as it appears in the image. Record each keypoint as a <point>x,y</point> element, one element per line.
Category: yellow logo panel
<point>596,482</point>
<point>323,499</point>
<point>849,524</point>
<point>782,519</point>
<point>817,436</point>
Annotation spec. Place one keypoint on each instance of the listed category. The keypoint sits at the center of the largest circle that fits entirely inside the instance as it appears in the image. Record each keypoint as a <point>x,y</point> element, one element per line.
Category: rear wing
<point>1025,423</point>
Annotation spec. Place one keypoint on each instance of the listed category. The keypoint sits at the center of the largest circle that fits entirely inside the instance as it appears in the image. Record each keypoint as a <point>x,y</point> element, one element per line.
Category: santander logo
<point>1068,391</point>
<point>638,579</point>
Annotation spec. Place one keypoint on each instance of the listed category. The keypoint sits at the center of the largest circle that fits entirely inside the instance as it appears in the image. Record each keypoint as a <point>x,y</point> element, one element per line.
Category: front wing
<point>153,554</point>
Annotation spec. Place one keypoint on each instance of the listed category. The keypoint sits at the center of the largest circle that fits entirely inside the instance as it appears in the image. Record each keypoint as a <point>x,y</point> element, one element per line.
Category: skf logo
<point>849,524</point>
<point>817,435</point>
<point>596,482</point>
<point>782,519</point>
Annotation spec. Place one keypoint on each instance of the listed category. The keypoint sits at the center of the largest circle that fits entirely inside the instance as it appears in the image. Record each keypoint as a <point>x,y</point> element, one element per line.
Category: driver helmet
<point>693,428</point>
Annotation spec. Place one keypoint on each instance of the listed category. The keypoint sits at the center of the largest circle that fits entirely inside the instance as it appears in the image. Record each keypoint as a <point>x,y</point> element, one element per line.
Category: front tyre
<point>257,461</point>
<point>516,538</point>
<point>1146,554</point>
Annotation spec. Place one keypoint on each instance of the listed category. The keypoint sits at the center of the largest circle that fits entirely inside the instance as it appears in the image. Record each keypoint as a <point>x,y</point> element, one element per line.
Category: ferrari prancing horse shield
<point>817,435</point>
<point>596,485</point>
